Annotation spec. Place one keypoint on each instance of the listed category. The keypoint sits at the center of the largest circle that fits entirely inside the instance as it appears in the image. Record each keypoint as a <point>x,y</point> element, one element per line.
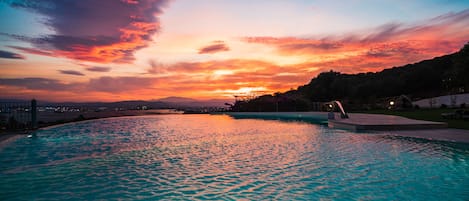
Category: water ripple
<point>202,157</point>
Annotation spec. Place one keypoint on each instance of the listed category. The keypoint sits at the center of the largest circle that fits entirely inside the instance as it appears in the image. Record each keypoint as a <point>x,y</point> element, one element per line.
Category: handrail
<point>343,114</point>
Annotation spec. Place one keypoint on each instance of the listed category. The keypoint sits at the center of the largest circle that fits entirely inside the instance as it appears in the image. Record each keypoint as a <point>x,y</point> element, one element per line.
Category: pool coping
<point>381,124</point>
<point>446,135</point>
<point>425,130</point>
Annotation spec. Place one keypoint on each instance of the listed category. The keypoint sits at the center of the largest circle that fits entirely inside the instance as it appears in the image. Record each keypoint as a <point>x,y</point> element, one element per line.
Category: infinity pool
<point>220,158</point>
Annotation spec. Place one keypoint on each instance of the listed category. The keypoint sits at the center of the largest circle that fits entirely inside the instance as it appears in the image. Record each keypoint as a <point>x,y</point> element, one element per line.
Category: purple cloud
<point>35,83</point>
<point>100,31</point>
<point>217,46</point>
<point>10,55</point>
<point>101,84</point>
<point>98,69</point>
<point>31,51</point>
<point>311,47</point>
<point>392,49</point>
<point>71,72</point>
<point>120,84</point>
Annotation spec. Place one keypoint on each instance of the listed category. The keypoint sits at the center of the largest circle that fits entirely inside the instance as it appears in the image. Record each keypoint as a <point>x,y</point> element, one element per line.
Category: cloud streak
<point>386,46</point>
<point>100,84</point>
<point>71,72</point>
<point>85,31</point>
<point>121,84</point>
<point>32,51</point>
<point>217,46</point>
<point>98,69</point>
<point>10,55</point>
<point>34,83</point>
<point>211,78</point>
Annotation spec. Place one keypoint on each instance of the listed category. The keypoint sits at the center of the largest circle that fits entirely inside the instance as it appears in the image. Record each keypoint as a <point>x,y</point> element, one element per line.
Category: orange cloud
<point>209,79</point>
<point>386,46</point>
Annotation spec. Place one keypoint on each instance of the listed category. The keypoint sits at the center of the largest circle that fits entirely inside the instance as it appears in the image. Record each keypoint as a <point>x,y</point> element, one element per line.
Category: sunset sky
<point>110,50</point>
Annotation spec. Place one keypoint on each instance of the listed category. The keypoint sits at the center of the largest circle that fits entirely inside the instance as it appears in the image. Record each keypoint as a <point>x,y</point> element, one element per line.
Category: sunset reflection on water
<point>217,157</point>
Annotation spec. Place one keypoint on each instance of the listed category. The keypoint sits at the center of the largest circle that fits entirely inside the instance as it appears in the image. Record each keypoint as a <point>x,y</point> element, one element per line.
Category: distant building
<point>453,101</point>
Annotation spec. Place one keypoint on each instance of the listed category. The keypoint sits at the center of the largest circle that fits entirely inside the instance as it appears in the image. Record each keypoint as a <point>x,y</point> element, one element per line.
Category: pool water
<point>200,157</point>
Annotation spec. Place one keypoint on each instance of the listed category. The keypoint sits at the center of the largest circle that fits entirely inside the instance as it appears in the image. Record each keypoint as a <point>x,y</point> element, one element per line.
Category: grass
<point>425,114</point>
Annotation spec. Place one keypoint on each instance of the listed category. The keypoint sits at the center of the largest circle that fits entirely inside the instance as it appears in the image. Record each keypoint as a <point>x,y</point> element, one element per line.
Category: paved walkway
<point>401,126</point>
<point>358,122</point>
<point>449,134</point>
<point>370,119</point>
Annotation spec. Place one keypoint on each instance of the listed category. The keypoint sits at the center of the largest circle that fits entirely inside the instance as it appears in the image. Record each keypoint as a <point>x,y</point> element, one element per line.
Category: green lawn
<point>424,114</point>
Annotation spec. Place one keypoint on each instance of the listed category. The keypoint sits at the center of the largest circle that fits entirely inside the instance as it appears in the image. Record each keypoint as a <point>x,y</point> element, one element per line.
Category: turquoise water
<point>200,157</point>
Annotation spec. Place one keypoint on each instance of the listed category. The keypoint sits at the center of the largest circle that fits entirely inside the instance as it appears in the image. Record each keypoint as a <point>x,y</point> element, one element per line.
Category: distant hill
<point>193,103</point>
<point>438,76</point>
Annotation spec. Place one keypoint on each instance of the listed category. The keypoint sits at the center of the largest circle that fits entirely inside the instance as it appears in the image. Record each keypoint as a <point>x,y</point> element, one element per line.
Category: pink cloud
<point>383,47</point>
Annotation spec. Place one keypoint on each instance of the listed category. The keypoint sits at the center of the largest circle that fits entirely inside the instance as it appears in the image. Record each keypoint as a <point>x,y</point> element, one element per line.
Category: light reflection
<point>217,157</point>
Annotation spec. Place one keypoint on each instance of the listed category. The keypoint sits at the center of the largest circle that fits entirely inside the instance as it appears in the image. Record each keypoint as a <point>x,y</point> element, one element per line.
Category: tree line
<point>443,75</point>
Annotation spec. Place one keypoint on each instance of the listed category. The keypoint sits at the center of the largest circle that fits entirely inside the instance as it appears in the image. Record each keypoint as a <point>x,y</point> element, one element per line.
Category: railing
<point>343,114</point>
<point>18,115</point>
<point>333,105</point>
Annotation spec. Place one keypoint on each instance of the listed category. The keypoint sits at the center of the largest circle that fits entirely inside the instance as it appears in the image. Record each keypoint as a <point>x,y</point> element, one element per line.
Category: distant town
<point>17,114</point>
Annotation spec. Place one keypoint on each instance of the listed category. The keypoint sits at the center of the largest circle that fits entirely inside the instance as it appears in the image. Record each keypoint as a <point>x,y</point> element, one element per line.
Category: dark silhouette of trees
<point>438,76</point>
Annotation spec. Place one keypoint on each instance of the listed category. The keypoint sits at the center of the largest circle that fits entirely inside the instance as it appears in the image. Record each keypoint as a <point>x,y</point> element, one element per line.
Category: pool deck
<point>448,135</point>
<point>400,126</point>
<point>380,122</point>
<point>280,115</point>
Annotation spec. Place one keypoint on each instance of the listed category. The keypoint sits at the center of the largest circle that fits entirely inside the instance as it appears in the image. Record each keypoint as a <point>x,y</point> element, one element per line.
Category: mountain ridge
<point>441,75</point>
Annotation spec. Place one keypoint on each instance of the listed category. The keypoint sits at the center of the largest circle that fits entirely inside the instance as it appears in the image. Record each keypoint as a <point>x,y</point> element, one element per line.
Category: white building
<point>450,100</point>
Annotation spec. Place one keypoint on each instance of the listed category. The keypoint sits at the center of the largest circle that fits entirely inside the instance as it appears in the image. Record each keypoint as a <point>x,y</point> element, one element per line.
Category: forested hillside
<point>438,76</point>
